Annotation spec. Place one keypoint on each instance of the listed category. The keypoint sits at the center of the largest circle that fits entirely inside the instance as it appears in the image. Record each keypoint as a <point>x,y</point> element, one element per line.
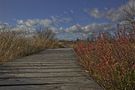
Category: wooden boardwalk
<point>52,69</point>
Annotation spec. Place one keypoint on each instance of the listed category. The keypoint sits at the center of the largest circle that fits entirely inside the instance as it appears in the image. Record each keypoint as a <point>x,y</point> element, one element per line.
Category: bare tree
<point>128,11</point>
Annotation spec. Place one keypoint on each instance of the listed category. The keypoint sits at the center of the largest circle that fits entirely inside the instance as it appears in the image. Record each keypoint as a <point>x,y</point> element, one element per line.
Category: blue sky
<point>76,11</point>
<point>31,9</point>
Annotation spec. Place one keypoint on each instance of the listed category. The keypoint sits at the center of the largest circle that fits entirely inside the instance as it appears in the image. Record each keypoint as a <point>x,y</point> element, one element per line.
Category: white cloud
<point>20,22</point>
<point>94,27</point>
<point>124,12</point>
<point>4,26</point>
<point>46,22</point>
<point>58,19</point>
<point>113,14</point>
<point>54,29</point>
<point>33,22</point>
<point>31,25</point>
<point>74,28</point>
<point>72,11</point>
<point>72,32</point>
<point>96,13</point>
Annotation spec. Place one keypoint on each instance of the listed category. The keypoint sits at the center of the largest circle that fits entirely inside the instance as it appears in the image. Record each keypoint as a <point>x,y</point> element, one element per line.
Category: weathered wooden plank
<point>39,71</point>
<point>42,80</point>
<point>50,60</point>
<point>53,69</point>
<point>41,74</point>
<point>53,87</point>
<point>24,82</point>
<point>37,65</point>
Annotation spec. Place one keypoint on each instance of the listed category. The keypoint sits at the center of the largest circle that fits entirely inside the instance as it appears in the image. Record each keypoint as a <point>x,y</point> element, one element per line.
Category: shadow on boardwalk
<point>53,69</point>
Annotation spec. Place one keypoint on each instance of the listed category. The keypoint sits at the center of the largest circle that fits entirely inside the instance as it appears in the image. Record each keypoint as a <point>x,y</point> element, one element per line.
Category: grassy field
<point>110,61</point>
<point>14,44</point>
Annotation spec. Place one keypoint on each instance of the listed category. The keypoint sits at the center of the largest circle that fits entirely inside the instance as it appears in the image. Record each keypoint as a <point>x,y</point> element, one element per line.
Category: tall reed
<point>14,44</point>
<point>110,61</point>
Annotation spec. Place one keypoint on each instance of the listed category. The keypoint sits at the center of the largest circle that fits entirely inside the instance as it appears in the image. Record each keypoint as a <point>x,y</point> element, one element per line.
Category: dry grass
<point>111,62</point>
<point>13,45</point>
